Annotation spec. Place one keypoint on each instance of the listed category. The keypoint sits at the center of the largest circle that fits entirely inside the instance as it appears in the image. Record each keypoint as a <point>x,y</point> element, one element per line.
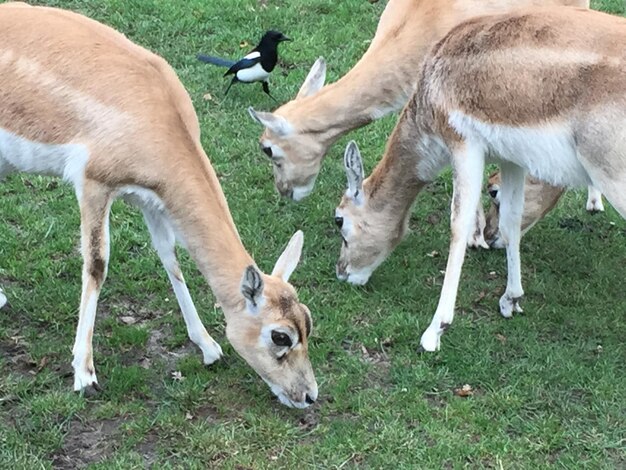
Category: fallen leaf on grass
<point>501,338</point>
<point>128,320</point>
<point>243,44</point>
<point>42,363</point>
<point>188,416</point>
<point>208,97</point>
<point>481,295</point>
<point>465,391</point>
<point>177,376</point>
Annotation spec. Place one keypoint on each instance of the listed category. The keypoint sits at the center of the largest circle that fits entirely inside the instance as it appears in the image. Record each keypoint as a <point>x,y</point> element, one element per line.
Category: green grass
<point>550,385</point>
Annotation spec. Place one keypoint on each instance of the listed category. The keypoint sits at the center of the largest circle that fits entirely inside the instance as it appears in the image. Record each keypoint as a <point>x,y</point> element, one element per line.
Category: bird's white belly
<point>253,74</point>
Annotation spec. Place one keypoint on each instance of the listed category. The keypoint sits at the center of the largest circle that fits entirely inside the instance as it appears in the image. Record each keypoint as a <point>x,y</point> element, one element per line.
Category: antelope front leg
<point>164,242</point>
<point>95,203</point>
<point>3,298</point>
<point>511,210</point>
<point>468,174</point>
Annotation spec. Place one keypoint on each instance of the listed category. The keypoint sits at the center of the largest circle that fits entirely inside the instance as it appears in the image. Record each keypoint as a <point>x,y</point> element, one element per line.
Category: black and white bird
<point>256,66</point>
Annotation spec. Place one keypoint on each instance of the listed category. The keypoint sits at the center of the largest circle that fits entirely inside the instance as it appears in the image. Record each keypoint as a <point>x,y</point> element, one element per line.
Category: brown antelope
<point>82,102</point>
<point>548,96</point>
<point>299,134</point>
<point>539,199</point>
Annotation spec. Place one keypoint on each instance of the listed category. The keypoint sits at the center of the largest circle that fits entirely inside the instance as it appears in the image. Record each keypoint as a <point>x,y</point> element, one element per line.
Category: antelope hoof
<point>85,379</point>
<point>431,340</point>
<point>477,241</point>
<point>211,352</point>
<point>595,205</point>
<point>509,304</point>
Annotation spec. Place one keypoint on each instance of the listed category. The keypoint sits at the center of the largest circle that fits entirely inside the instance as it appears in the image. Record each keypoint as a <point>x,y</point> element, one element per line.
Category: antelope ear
<point>277,124</point>
<point>314,81</point>
<point>252,289</point>
<point>354,171</point>
<point>289,258</point>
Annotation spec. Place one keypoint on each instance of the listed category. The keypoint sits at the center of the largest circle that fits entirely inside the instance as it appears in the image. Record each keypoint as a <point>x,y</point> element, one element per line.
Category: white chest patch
<point>548,152</point>
<point>67,161</point>
<point>253,74</point>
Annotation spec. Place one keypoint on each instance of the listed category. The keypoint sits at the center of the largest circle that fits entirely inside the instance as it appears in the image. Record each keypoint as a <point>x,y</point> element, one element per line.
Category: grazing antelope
<point>299,134</point>
<point>82,102</point>
<point>539,199</point>
<point>548,96</point>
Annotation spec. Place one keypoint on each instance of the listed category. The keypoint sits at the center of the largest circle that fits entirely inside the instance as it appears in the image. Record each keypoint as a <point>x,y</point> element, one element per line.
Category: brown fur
<point>381,82</point>
<point>539,199</point>
<point>569,68</point>
<point>66,79</point>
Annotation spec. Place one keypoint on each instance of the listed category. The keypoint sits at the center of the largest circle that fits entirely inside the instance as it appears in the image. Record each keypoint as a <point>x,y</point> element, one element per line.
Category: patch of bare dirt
<point>156,351</point>
<point>379,373</point>
<point>148,450</point>
<point>87,443</point>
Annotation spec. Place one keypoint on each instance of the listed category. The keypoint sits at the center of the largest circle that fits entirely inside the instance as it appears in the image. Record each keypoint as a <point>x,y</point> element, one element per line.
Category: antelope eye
<point>339,221</point>
<point>267,151</point>
<point>281,339</point>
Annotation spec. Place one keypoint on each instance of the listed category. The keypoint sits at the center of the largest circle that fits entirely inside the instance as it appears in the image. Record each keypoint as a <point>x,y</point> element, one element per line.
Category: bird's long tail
<point>209,59</point>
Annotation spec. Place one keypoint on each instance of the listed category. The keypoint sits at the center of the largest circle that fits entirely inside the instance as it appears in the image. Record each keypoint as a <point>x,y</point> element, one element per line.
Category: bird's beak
<point>285,38</point>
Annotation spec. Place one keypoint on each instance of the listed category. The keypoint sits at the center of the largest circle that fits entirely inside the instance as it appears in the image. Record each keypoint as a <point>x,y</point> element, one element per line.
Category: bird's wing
<point>248,61</point>
<point>209,59</point>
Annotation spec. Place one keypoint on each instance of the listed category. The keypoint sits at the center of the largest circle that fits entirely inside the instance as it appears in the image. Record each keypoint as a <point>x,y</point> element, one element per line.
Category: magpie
<point>256,66</point>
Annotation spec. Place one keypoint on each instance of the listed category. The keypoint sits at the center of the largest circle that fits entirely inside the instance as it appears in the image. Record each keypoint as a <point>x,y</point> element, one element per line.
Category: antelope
<point>548,97</point>
<point>539,199</point>
<point>300,133</point>
<point>82,102</point>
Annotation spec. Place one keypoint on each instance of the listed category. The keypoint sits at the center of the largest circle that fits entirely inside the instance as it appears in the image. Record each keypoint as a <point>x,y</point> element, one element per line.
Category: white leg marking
<point>469,163</point>
<point>594,200</point>
<point>95,207</point>
<point>511,210</point>
<point>164,242</point>
<point>84,371</point>
<point>3,298</point>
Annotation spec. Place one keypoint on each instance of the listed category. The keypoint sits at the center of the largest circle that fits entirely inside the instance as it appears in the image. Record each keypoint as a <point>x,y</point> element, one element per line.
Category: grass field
<point>549,386</point>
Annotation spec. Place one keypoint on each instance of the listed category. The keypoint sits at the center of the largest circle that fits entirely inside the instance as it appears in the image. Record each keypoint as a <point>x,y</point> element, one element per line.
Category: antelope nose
<point>493,193</point>
<point>342,275</point>
<point>308,399</point>
<point>286,192</point>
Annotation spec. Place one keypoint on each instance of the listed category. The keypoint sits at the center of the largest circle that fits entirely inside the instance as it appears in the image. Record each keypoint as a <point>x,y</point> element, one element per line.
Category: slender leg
<point>511,210</point>
<point>266,89</point>
<point>234,80</point>
<point>164,242</point>
<point>4,170</point>
<point>95,203</point>
<point>594,200</point>
<point>468,162</point>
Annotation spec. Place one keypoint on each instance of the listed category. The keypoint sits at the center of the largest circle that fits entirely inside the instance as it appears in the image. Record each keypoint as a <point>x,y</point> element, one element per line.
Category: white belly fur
<point>67,161</point>
<point>253,74</point>
<point>548,152</point>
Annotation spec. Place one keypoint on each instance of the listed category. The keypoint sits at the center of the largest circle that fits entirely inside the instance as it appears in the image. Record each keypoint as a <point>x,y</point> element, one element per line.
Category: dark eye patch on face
<point>287,304</point>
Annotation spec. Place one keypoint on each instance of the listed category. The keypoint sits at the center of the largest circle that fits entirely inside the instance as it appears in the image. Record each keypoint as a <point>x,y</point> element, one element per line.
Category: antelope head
<point>296,154</point>
<point>272,332</point>
<point>369,233</point>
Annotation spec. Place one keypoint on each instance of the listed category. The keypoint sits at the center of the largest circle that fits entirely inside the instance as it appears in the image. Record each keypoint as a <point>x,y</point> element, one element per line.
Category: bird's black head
<point>274,36</point>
